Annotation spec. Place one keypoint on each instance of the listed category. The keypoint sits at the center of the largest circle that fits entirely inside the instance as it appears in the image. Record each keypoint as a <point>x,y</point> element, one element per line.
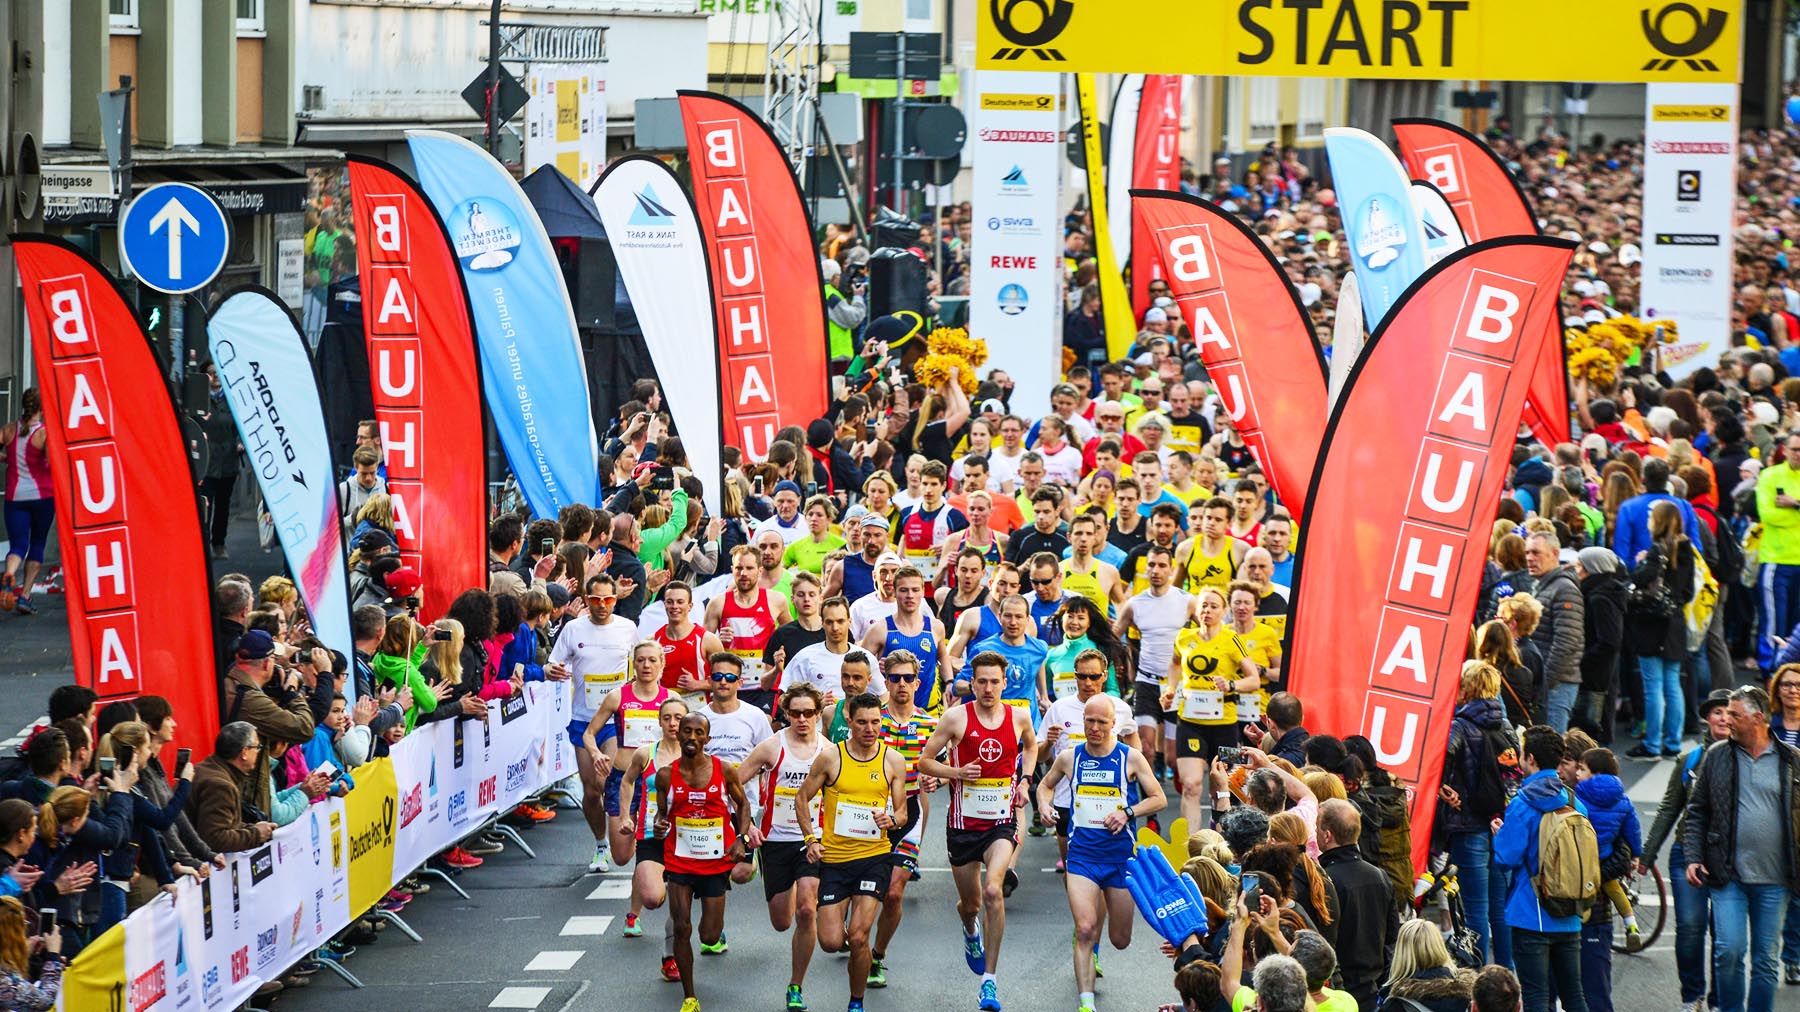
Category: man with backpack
<point>1546,839</point>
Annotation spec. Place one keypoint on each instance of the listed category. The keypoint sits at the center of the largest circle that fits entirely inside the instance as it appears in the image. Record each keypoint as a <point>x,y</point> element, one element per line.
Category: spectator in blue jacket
<point>1631,530</point>
<point>1615,820</point>
<point>1546,949</point>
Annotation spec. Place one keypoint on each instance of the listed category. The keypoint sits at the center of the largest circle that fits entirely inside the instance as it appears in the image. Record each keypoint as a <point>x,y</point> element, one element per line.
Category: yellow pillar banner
<point>1115,302</point>
<point>1667,41</point>
<point>96,979</point>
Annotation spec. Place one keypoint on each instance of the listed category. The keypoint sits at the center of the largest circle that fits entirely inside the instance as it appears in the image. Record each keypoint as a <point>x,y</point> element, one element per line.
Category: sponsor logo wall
<point>1690,180</point>
<point>212,943</point>
<point>1014,296</point>
<point>565,121</point>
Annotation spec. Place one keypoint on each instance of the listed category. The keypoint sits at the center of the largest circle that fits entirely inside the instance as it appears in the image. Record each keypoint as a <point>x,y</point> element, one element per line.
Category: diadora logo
<point>1030,25</point>
<point>1680,32</point>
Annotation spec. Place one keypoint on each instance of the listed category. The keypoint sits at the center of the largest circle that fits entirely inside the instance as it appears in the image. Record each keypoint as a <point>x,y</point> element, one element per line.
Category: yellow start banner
<point>1502,40</point>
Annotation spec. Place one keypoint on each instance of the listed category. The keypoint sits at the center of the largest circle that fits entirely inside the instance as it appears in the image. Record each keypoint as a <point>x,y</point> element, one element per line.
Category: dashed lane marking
<point>586,926</point>
<point>553,961</point>
<point>612,889</point>
<point>520,997</point>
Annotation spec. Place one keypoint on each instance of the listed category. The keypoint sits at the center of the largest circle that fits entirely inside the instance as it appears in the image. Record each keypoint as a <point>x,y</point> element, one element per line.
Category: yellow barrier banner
<point>1503,40</point>
<point>369,821</point>
<point>1115,302</point>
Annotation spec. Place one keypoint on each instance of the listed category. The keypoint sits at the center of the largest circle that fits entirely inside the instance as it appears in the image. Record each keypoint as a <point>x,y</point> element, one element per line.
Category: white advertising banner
<point>1690,184</point>
<point>656,240</point>
<point>1015,289</point>
<point>565,120</point>
<point>209,944</point>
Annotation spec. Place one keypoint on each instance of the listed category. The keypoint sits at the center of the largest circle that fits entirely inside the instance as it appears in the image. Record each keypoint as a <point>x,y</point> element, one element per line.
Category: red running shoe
<point>670,971</point>
<point>533,813</point>
<point>456,857</point>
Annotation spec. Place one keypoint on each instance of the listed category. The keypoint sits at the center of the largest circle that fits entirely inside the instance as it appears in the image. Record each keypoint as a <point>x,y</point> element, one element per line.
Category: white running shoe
<point>600,865</point>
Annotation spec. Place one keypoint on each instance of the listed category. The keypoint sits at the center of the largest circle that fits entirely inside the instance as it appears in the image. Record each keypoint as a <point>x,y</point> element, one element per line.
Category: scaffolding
<point>791,78</point>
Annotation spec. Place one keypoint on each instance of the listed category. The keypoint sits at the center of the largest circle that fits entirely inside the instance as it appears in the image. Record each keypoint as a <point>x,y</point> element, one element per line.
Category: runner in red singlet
<point>686,645</point>
<point>705,822</point>
<point>989,743</point>
<point>745,618</point>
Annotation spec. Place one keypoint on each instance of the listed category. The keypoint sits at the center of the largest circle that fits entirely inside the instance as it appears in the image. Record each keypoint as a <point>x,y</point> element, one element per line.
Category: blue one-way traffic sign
<point>174,238</point>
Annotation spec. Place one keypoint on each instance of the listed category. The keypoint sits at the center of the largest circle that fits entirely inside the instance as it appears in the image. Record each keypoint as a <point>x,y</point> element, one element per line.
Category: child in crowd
<point>1598,786</point>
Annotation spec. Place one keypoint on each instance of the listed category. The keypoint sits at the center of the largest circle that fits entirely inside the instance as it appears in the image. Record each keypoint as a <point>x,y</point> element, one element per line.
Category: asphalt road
<point>544,934</point>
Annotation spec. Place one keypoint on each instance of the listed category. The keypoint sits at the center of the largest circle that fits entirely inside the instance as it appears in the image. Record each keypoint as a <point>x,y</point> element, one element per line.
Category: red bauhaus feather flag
<point>1415,459</point>
<point>1490,205</point>
<point>425,380</point>
<point>134,563</point>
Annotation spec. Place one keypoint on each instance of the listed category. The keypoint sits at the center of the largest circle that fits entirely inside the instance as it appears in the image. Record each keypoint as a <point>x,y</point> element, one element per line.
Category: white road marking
<point>520,997</point>
<point>553,961</point>
<point>612,889</point>
<point>586,926</point>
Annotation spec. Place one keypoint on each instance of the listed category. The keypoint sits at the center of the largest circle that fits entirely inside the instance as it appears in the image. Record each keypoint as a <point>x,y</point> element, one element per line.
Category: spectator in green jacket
<point>397,659</point>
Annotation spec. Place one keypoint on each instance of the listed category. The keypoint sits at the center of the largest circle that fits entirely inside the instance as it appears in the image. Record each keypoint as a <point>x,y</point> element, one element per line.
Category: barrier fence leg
<point>512,834</point>
<point>335,967</point>
<point>446,879</point>
<point>394,919</point>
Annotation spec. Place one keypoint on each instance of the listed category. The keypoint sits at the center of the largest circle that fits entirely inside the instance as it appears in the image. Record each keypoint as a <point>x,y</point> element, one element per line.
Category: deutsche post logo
<point>1664,31</point>
<point>1031,28</point>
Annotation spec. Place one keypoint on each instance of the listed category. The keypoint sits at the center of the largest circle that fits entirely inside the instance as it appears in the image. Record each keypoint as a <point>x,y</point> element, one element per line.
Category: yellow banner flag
<point>1502,40</point>
<point>1115,302</point>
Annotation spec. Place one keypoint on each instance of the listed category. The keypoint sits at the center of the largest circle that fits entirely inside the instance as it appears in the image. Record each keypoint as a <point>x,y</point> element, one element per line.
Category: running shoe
<point>990,997</point>
<point>1791,973</point>
<point>974,953</point>
<point>632,930</point>
<point>8,592</point>
<point>1097,971</point>
<point>23,606</point>
<point>670,971</point>
<point>718,948</point>
<point>877,974</point>
<point>600,865</point>
<point>456,857</point>
<point>690,1005</point>
<point>528,812</point>
<point>796,1002</point>
<point>1009,883</point>
<point>1037,829</point>
<point>1086,1006</point>
<point>855,1005</point>
<point>1634,940</point>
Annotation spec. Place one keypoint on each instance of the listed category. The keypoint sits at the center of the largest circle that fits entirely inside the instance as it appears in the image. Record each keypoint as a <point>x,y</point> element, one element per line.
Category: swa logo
<point>211,991</point>
<point>1030,25</point>
<point>1666,35</point>
<point>459,807</point>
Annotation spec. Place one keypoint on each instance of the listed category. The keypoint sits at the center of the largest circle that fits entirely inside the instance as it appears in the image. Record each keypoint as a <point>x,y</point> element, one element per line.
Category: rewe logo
<point>1702,32</point>
<point>650,209</point>
<point>1030,25</point>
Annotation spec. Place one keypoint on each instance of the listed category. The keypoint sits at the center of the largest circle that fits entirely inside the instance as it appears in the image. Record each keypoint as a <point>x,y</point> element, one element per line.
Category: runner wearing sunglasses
<point>904,728</point>
<point>631,712</point>
<point>598,651</point>
<point>735,729</point>
<point>790,881</point>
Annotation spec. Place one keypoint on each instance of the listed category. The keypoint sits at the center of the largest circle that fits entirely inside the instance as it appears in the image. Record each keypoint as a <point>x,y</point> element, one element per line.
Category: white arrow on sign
<point>173,216</point>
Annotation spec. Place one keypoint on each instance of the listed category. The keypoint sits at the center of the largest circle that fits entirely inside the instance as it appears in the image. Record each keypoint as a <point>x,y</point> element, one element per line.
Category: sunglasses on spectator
<point>723,676</point>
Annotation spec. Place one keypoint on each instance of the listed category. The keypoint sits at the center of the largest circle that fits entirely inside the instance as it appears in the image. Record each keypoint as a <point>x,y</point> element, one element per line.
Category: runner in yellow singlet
<point>1211,665</point>
<point>1211,557</point>
<point>1085,574</point>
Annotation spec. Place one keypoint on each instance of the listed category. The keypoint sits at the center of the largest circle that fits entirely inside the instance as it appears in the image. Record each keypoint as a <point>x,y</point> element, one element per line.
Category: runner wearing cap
<point>786,522</point>
<point>855,577</point>
<point>869,610</point>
